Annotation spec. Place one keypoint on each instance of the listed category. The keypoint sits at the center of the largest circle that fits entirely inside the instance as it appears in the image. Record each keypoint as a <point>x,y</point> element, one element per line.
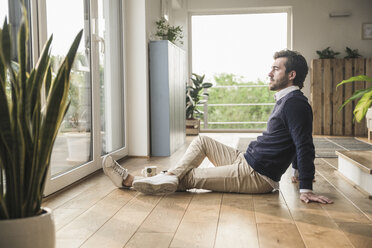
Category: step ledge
<point>354,185</point>
<point>346,155</point>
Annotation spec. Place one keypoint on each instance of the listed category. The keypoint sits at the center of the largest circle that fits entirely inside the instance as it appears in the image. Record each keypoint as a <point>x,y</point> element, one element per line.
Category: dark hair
<point>295,62</point>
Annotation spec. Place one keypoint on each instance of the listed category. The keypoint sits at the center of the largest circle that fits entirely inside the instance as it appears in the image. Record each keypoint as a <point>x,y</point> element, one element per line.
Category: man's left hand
<point>311,197</point>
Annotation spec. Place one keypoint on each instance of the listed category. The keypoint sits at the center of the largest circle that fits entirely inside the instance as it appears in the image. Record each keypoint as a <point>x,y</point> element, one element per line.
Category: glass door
<point>112,98</point>
<point>94,125</point>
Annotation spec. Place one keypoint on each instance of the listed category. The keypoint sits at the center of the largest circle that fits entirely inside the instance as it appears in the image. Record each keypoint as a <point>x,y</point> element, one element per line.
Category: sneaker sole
<point>148,188</point>
<point>103,164</point>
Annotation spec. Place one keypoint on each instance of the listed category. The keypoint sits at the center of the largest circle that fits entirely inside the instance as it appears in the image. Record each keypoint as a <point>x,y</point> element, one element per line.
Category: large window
<point>94,125</point>
<point>4,10</point>
<point>235,52</point>
<point>73,145</point>
<point>111,76</point>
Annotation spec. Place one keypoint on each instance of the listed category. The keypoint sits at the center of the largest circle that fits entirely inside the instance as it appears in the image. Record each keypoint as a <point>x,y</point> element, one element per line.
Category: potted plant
<point>194,96</point>
<point>352,53</point>
<point>32,107</point>
<point>327,53</point>
<point>168,32</point>
<point>365,95</point>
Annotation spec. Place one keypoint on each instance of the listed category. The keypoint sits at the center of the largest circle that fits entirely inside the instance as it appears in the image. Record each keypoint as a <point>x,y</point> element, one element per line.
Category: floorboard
<point>93,213</point>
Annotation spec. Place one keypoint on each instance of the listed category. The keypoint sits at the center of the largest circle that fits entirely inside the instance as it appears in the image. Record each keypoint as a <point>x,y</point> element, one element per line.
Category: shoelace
<point>119,169</point>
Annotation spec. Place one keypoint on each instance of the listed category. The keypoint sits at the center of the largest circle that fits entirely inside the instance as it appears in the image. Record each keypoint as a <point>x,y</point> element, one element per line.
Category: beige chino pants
<point>230,174</point>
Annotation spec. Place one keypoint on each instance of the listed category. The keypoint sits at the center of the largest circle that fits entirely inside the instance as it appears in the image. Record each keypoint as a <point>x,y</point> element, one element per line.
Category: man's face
<point>279,79</point>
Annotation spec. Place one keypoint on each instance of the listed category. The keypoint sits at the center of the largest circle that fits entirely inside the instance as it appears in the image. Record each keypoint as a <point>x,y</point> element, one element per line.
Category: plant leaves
<point>356,79</point>
<point>362,106</point>
<point>357,94</point>
<point>6,44</point>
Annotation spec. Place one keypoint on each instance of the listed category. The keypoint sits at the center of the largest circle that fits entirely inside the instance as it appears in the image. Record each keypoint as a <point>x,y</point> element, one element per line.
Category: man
<point>259,169</point>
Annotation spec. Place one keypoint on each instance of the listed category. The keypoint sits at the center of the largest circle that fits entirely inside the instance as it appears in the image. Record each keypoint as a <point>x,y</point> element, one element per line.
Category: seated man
<point>259,169</point>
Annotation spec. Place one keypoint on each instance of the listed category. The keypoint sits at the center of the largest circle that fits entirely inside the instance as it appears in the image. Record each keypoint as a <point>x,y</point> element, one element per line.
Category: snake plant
<point>32,106</point>
<point>365,95</point>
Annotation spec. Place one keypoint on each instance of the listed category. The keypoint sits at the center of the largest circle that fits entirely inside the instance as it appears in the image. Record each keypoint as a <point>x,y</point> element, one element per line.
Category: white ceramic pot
<point>31,232</point>
<point>78,146</point>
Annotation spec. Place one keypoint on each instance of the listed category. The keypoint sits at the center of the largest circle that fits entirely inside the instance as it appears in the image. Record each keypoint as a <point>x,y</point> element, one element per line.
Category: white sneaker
<point>114,171</point>
<point>161,183</point>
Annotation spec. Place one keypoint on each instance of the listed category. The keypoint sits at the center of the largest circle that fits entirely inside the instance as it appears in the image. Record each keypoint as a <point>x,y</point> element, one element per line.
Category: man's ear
<point>292,75</point>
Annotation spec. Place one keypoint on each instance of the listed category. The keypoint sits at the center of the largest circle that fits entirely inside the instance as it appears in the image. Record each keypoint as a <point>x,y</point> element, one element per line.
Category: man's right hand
<point>311,197</point>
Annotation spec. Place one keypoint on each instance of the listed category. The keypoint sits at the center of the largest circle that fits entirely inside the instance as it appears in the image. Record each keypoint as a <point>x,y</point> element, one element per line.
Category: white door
<point>95,122</point>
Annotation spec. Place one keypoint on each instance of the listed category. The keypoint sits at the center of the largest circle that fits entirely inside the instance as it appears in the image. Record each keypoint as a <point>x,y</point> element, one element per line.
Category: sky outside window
<point>242,44</point>
<point>3,11</point>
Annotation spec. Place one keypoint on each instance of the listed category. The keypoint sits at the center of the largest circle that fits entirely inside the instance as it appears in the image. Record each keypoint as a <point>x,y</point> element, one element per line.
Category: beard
<point>279,84</point>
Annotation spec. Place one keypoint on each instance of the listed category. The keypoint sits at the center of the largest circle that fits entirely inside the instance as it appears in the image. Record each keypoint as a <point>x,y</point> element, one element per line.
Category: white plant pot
<point>369,118</point>
<point>31,232</point>
<point>78,146</point>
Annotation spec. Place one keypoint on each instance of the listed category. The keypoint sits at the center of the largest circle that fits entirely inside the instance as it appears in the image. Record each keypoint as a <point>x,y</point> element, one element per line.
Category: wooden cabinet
<point>167,97</point>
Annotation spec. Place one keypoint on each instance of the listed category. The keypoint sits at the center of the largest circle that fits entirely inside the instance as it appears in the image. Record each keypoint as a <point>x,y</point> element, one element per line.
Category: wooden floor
<point>94,213</point>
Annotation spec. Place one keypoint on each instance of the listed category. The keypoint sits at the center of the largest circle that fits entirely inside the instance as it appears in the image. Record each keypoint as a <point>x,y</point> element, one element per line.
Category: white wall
<point>313,29</point>
<point>136,63</point>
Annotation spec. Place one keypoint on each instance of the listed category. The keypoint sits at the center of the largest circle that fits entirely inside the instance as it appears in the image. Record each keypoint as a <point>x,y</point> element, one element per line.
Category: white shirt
<point>278,95</point>
<point>281,93</point>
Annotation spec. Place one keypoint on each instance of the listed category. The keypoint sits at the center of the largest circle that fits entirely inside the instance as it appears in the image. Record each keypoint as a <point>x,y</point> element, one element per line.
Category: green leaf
<point>355,78</point>
<point>362,106</point>
<point>357,94</point>
<point>206,85</point>
<point>6,44</point>
<point>22,53</point>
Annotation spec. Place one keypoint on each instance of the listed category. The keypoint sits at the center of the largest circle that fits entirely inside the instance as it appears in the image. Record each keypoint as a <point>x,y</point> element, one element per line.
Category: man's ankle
<point>128,181</point>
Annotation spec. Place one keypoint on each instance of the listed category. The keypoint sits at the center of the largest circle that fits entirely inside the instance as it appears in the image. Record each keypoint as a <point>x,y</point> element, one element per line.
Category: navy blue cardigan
<point>288,135</point>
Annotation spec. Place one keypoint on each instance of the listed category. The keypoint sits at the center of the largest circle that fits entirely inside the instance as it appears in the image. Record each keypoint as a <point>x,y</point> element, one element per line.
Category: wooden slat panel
<point>328,103</point>
<point>348,88</point>
<point>337,65</point>
<point>359,128</point>
<point>316,95</point>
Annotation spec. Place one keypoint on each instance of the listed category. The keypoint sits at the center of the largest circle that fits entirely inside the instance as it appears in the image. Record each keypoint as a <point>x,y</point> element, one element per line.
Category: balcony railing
<point>256,118</point>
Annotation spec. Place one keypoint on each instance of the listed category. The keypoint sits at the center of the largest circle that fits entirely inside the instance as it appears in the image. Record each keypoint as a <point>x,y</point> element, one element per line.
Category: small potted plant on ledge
<point>194,96</point>
<point>167,32</point>
<point>32,106</point>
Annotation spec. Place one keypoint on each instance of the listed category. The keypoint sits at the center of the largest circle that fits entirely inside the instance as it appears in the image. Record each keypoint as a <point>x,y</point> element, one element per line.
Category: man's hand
<point>311,197</point>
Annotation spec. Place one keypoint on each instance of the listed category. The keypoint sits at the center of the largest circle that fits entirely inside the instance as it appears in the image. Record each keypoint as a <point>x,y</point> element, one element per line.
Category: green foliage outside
<point>236,95</point>
<point>78,94</point>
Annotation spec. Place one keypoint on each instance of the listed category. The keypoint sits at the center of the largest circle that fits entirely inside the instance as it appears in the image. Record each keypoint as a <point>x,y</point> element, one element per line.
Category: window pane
<point>73,145</point>
<point>3,11</point>
<point>239,69</point>
<point>111,76</point>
